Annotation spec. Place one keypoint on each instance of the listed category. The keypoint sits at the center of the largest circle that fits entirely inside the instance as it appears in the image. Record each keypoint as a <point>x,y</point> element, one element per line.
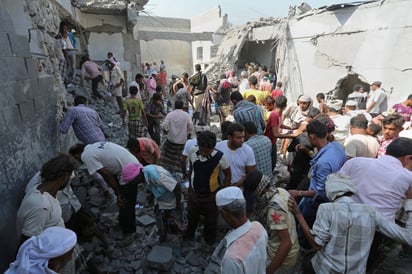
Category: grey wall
<point>28,135</point>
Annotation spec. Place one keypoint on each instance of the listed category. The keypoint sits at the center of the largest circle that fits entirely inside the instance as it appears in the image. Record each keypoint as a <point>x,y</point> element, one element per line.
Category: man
<point>222,98</point>
<point>108,159</point>
<point>145,150</point>
<point>270,208</point>
<point>389,175</point>
<point>392,125</point>
<point>40,208</point>
<point>359,143</point>
<point>273,126</point>
<point>253,90</point>
<point>244,82</point>
<point>404,108</point>
<point>155,112</point>
<point>243,250</point>
<point>262,149</point>
<point>95,72</point>
<point>241,157</point>
<point>329,159</point>
<point>358,95</point>
<point>178,125</point>
<point>343,231</point>
<point>69,49</point>
<point>47,252</point>
<point>137,121</point>
<point>277,91</point>
<point>198,84</point>
<point>377,101</point>
<point>188,145</point>
<point>138,79</point>
<point>323,107</point>
<point>116,80</point>
<point>205,165</point>
<point>245,111</point>
<point>86,122</point>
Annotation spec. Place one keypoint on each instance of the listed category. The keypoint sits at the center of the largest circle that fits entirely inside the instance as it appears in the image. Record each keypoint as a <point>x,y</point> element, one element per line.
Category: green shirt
<point>134,106</point>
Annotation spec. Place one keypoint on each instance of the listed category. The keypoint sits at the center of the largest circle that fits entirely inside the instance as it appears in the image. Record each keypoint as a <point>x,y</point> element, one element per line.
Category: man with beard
<point>40,208</point>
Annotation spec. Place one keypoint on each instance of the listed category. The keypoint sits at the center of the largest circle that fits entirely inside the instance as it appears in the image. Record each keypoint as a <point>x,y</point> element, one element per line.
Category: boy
<point>135,109</point>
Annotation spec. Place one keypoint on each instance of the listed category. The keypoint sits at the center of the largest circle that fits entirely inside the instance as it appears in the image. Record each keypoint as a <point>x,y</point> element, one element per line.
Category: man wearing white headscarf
<point>46,253</point>
<point>343,231</point>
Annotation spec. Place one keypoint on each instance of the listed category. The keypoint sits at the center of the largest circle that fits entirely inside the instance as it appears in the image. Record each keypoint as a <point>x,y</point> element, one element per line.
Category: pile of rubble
<point>145,254</point>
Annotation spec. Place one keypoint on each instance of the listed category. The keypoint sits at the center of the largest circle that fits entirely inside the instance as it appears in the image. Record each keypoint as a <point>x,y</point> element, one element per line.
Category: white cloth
<point>244,85</point>
<point>178,124</point>
<point>360,145</point>
<point>37,212</point>
<point>238,159</point>
<point>381,182</point>
<point>245,249</point>
<point>341,131</point>
<point>116,77</point>
<point>33,256</point>
<point>106,155</point>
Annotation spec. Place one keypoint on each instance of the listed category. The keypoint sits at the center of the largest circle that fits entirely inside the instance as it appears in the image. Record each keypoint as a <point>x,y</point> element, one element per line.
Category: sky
<point>239,11</point>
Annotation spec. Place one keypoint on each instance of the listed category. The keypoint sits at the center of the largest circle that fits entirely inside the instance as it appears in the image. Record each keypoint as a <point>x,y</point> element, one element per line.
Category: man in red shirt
<point>274,125</point>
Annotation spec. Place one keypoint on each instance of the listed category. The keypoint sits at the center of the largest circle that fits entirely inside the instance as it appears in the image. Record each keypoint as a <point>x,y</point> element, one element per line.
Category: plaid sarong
<point>137,129</point>
<point>170,156</point>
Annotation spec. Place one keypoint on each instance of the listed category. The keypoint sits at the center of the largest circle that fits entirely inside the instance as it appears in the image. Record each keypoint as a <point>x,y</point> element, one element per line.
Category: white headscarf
<point>337,185</point>
<point>34,255</point>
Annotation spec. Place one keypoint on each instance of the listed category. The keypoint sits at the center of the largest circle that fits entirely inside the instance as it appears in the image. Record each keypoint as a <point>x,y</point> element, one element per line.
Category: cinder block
<point>27,111</point>
<point>17,68</point>
<point>19,45</point>
<point>45,87</point>
<point>32,68</point>
<point>11,115</point>
<point>5,49</point>
<point>160,257</point>
<point>4,71</point>
<point>5,20</point>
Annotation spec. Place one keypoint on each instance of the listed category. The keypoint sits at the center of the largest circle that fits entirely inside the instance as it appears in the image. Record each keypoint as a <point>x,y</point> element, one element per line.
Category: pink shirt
<point>91,68</point>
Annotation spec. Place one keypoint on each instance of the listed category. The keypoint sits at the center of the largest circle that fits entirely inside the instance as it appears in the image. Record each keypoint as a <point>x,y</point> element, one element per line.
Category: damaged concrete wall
<point>319,50</point>
<point>372,40</point>
<point>167,39</point>
<point>28,110</point>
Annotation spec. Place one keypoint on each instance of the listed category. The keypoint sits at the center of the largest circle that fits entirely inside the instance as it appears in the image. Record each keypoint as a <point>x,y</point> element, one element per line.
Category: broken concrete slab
<point>146,220</point>
<point>160,257</point>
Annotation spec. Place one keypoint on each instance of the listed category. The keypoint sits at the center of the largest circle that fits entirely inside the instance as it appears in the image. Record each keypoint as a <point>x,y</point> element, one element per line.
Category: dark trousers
<point>127,218</point>
<point>308,207</point>
<point>202,204</point>
<point>274,156</point>
<point>154,131</point>
<point>95,83</point>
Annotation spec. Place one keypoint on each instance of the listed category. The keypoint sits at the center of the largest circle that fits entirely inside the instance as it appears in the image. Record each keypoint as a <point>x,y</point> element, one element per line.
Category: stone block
<point>18,67</point>
<point>4,71</point>
<point>45,86</point>
<point>146,220</point>
<point>11,94</point>
<point>12,117</point>
<point>31,66</point>
<point>160,257</point>
<point>27,111</point>
<point>5,49</point>
<point>19,45</point>
<point>5,20</point>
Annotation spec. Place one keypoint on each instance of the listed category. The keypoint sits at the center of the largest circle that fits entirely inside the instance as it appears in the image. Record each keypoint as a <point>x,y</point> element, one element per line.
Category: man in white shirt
<point>377,101</point>
<point>243,250</point>
<point>241,157</point>
<point>244,82</point>
<point>178,125</point>
<point>360,144</point>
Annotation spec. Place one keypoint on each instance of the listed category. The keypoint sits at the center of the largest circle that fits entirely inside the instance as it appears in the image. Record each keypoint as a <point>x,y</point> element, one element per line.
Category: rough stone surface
<point>160,257</point>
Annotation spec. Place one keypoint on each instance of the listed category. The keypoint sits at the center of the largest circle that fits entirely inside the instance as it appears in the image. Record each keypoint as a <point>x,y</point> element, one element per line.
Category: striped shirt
<point>262,148</point>
<point>245,111</point>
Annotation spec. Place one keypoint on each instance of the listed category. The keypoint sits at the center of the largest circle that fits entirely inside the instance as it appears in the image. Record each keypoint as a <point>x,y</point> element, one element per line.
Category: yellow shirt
<point>259,94</point>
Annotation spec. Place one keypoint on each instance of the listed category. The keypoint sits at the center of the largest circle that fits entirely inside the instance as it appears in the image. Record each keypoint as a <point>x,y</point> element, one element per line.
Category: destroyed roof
<point>108,7</point>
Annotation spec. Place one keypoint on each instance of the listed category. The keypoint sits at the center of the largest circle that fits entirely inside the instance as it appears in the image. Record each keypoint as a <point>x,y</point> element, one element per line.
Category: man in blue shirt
<point>329,159</point>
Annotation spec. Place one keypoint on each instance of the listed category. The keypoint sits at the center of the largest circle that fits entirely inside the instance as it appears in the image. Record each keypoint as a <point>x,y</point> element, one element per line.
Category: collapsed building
<point>328,49</point>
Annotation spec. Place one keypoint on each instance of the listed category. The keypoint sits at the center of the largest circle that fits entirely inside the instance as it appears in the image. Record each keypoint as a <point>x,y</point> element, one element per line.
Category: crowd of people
<point>349,172</point>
